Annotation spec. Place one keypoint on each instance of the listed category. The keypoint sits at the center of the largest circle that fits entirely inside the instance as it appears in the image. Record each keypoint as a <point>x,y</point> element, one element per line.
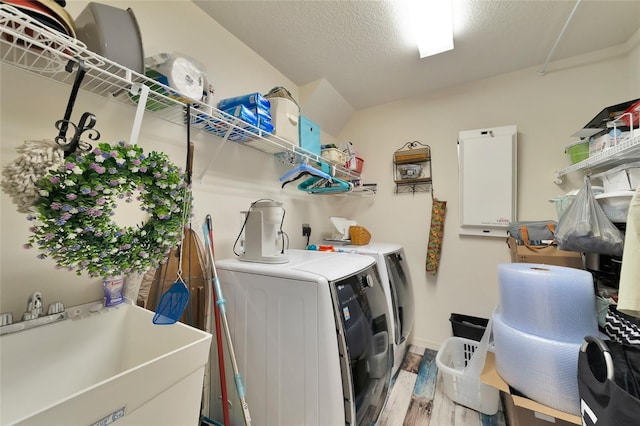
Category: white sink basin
<point>96,368</point>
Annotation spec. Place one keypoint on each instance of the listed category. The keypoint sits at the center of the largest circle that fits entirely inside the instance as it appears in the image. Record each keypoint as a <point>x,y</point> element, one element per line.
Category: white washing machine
<point>311,337</point>
<point>396,280</point>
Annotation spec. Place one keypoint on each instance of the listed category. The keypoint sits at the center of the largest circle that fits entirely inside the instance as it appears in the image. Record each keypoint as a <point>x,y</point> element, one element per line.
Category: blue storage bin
<point>309,133</point>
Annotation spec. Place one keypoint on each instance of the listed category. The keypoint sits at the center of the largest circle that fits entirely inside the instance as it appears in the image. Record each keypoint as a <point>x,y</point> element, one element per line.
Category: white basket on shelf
<point>335,156</point>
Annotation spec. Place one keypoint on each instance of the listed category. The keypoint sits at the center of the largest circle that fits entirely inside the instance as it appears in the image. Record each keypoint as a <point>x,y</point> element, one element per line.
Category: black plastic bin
<point>468,327</point>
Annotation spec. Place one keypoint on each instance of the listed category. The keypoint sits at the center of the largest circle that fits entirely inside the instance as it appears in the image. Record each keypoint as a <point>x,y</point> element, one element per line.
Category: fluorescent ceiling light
<point>432,22</point>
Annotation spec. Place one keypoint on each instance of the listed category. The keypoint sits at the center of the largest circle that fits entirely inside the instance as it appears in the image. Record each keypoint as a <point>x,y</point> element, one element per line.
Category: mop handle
<point>216,313</point>
<point>221,302</point>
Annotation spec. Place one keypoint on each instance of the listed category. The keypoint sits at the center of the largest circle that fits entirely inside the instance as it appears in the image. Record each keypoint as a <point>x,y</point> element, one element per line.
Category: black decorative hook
<point>87,121</point>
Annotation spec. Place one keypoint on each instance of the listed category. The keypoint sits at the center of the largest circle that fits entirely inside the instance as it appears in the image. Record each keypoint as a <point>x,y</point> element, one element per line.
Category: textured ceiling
<point>360,49</point>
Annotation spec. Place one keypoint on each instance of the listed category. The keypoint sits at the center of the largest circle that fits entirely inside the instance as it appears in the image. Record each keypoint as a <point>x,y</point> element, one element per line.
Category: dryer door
<point>400,282</point>
<point>367,354</point>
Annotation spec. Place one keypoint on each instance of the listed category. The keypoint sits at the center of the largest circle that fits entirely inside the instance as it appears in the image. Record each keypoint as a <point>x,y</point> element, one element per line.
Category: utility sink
<point>96,368</point>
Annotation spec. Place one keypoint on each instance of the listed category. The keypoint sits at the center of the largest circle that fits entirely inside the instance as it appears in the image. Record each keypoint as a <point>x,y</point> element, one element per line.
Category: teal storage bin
<point>309,133</point>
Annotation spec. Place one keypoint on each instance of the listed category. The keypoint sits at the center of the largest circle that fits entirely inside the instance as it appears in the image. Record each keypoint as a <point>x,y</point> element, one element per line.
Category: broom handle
<point>225,323</point>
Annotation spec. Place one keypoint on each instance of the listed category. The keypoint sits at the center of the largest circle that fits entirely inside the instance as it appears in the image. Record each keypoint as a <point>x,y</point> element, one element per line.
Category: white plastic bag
<point>584,227</point>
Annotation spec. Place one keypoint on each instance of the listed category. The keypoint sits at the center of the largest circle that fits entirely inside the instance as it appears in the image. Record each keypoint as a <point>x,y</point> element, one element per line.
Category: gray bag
<point>541,232</point>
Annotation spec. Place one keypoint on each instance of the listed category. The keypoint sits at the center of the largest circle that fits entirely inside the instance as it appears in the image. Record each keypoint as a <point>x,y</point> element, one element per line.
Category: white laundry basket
<point>461,378</point>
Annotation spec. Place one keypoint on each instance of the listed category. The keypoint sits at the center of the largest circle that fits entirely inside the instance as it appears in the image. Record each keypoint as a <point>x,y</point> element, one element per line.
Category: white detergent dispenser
<point>311,338</point>
<point>396,280</point>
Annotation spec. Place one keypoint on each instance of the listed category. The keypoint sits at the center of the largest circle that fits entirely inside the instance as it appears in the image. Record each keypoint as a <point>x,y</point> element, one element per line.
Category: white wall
<point>546,110</point>
<point>236,175</point>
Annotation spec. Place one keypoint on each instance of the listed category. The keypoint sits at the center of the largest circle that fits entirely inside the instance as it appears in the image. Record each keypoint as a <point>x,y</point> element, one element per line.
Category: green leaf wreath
<point>73,224</point>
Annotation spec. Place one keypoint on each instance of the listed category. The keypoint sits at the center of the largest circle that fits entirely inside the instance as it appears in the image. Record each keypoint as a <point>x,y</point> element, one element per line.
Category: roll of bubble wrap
<point>543,370</point>
<point>554,302</point>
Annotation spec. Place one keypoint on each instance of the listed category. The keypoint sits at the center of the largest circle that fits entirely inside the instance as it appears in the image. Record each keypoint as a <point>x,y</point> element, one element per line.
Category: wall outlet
<point>306,230</point>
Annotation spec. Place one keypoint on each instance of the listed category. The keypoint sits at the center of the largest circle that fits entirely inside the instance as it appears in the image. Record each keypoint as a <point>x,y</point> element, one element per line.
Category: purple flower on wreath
<point>101,201</point>
<point>66,208</point>
<point>42,256</point>
<point>32,229</point>
<point>85,191</point>
<point>125,247</point>
<point>143,169</point>
<point>85,263</point>
<point>114,154</point>
<point>98,234</point>
<point>114,182</point>
<point>113,170</point>
<point>48,237</point>
<point>100,170</point>
<point>97,151</point>
<point>66,216</point>
<point>82,209</point>
<point>69,166</point>
<point>93,193</point>
<point>71,196</point>
<point>106,155</point>
<point>60,222</point>
<point>157,175</point>
<point>54,179</point>
<point>136,162</point>
<point>99,187</point>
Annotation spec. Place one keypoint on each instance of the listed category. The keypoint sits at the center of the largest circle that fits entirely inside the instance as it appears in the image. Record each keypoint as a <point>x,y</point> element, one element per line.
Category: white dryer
<point>396,280</point>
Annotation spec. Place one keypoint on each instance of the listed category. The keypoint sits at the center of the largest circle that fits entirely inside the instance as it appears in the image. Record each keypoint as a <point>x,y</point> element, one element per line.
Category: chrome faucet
<point>33,316</point>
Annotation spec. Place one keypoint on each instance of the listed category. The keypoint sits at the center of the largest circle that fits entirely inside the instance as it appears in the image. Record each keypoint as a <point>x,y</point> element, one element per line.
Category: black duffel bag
<point>609,383</point>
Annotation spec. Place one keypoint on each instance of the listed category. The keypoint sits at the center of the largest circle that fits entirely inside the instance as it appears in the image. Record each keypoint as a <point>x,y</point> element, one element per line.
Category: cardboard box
<point>521,411</point>
<point>548,255</point>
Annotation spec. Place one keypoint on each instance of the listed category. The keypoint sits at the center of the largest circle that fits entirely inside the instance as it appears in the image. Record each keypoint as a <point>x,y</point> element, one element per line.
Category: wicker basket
<point>359,235</point>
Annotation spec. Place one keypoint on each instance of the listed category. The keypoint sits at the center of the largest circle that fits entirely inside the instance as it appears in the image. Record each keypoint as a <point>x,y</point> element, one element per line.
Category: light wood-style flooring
<point>417,397</point>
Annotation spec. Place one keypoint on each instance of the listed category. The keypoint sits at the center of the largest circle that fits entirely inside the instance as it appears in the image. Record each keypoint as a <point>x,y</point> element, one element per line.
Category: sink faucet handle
<point>6,318</point>
<point>34,306</point>
<point>55,308</point>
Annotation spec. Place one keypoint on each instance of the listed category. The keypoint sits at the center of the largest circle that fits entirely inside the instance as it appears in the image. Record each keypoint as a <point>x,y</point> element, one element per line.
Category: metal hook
<point>87,121</point>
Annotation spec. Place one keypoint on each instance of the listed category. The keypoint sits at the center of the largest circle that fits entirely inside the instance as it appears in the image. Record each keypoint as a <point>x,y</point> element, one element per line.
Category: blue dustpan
<point>172,304</point>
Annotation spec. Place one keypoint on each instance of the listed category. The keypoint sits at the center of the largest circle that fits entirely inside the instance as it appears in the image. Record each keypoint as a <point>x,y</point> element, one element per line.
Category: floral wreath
<point>73,219</point>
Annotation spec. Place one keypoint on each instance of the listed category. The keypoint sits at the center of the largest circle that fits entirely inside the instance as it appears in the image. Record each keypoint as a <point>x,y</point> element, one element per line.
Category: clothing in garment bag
<point>629,288</point>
